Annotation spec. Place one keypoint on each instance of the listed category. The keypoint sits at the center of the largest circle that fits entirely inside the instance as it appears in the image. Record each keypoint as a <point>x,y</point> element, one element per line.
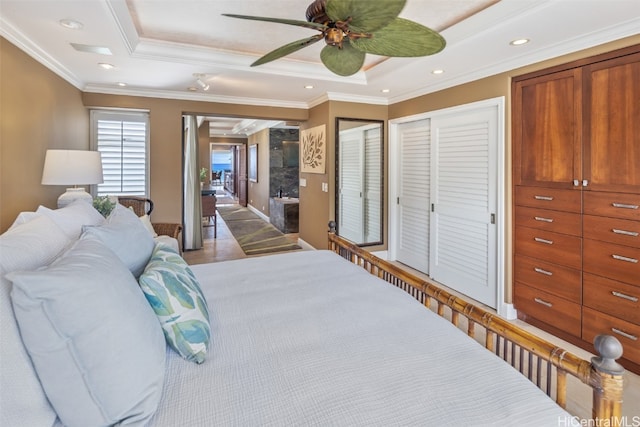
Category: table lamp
<point>72,167</point>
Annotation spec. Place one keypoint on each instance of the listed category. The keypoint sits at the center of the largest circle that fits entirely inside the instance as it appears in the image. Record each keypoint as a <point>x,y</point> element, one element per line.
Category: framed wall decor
<point>253,163</point>
<point>313,150</point>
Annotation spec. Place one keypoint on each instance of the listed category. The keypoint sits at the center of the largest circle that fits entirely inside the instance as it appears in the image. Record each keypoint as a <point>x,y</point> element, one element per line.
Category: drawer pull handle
<point>545,198</point>
<point>624,258</point>
<point>624,334</point>
<point>539,218</point>
<point>543,302</point>
<point>624,296</point>
<point>625,232</point>
<point>541,271</point>
<point>624,206</point>
<point>541,240</point>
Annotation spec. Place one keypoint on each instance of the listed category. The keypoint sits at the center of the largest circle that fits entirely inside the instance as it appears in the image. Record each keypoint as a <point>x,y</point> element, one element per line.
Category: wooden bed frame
<point>543,363</point>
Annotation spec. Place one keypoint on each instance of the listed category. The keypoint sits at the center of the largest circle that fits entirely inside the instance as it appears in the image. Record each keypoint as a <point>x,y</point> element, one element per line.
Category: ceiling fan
<point>353,28</point>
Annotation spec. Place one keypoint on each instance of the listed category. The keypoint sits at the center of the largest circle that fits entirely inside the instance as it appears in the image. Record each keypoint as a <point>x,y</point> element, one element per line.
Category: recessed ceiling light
<point>71,24</point>
<point>308,87</point>
<point>121,84</point>
<point>518,42</point>
<point>106,66</point>
<point>437,71</point>
<point>192,89</point>
<point>385,90</point>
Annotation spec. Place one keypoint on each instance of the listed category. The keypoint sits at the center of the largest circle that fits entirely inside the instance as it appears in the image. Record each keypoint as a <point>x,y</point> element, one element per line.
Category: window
<point>123,139</point>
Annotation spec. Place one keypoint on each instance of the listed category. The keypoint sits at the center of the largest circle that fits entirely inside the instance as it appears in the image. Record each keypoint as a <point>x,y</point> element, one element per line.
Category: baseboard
<point>258,212</point>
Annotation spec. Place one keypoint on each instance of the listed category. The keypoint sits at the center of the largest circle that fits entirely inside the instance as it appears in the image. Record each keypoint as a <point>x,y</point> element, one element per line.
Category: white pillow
<point>125,235</point>
<point>23,217</point>
<point>72,217</point>
<point>27,246</point>
<point>94,340</point>
<point>146,221</point>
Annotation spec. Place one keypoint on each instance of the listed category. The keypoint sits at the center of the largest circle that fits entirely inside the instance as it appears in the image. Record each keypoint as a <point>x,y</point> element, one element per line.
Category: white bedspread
<point>307,338</point>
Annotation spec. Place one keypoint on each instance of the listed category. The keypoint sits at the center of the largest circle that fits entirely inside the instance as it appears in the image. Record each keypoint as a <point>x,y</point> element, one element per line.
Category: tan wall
<point>38,110</point>
<point>316,206</point>
<point>259,191</point>
<point>203,151</point>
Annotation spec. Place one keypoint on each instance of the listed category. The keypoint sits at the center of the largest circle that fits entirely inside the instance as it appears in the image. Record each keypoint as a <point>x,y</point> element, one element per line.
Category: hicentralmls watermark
<point>598,422</point>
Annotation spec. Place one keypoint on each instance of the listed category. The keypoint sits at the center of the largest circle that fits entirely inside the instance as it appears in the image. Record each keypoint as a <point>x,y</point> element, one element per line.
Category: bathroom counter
<point>283,214</point>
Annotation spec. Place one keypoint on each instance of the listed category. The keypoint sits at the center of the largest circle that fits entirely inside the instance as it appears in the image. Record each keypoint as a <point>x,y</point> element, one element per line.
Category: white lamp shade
<point>72,167</point>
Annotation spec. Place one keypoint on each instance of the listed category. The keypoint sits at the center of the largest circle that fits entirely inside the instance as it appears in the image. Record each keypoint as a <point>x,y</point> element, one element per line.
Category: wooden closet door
<point>547,134</point>
<point>612,125</point>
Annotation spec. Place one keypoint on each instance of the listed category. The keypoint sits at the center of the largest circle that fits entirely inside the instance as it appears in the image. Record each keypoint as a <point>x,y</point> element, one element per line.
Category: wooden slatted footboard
<point>542,362</point>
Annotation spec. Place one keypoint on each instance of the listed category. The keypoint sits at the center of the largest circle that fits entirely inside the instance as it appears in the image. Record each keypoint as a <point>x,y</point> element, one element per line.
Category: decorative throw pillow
<point>28,246</point>
<point>125,235</point>
<point>73,217</point>
<point>175,295</point>
<point>93,339</point>
<point>146,221</point>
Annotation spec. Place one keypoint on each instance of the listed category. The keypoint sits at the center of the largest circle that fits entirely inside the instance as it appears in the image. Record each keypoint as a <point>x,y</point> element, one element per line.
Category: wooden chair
<point>209,212</point>
<point>142,206</point>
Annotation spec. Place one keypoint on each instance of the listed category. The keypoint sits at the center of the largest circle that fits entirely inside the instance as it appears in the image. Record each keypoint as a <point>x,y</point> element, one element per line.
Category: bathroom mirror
<point>359,180</point>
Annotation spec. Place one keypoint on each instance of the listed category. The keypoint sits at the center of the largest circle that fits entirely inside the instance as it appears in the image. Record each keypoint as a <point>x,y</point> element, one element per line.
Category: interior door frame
<point>504,309</point>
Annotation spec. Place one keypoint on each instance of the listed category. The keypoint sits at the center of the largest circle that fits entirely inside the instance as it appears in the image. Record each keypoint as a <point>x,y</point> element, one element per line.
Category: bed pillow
<point>175,295</point>
<point>126,236</point>
<point>93,339</point>
<point>26,246</point>
<point>146,221</point>
<point>72,217</point>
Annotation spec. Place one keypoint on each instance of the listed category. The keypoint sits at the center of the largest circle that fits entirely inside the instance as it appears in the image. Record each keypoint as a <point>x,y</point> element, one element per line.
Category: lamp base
<point>72,195</point>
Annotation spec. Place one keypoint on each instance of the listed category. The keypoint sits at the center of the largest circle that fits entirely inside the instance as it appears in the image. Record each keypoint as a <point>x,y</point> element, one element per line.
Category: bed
<point>328,337</point>
<point>308,338</point>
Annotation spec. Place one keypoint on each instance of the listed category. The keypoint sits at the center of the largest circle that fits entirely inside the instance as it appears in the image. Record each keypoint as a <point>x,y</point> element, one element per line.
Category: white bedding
<point>307,338</point>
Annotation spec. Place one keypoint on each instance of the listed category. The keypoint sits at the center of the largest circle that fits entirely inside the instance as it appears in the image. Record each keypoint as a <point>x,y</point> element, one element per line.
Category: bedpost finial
<point>609,349</point>
<point>332,226</point>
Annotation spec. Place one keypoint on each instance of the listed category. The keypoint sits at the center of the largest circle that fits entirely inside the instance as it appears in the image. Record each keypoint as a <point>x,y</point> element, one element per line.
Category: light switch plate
<point>303,182</point>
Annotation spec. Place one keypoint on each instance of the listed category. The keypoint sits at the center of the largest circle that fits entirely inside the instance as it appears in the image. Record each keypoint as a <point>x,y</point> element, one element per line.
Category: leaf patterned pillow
<point>175,295</point>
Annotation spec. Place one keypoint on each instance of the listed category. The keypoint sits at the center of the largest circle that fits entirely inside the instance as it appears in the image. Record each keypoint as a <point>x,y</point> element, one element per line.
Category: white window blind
<point>122,139</point>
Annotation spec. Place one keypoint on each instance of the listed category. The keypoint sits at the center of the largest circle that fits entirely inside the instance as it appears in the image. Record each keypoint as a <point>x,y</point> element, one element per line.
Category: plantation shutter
<point>372,185</point>
<point>122,140</point>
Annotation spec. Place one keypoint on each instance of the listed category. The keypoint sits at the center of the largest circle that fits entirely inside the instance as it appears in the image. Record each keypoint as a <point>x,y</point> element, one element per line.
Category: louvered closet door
<point>414,145</point>
<point>351,212</point>
<point>463,246</point>
<point>372,186</point>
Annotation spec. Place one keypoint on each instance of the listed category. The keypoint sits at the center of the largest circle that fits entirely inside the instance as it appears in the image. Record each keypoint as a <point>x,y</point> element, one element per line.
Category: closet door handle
<point>624,334</point>
<point>543,302</point>
<point>624,258</point>
<point>541,240</point>
<point>624,206</point>
<point>624,296</point>
<point>541,271</point>
<point>625,232</point>
<point>545,198</point>
<point>539,218</point>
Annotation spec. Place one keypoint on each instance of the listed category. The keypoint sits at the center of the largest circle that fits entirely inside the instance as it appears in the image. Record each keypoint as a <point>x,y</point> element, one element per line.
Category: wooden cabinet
<point>576,174</point>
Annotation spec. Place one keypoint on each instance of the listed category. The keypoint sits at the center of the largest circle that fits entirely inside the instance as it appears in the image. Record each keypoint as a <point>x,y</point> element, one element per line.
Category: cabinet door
<point>612,124</point>
<point>547,131</point>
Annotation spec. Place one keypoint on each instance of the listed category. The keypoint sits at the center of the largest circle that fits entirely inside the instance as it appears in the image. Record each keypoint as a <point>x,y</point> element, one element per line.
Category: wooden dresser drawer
<point>615,205</point>
<point>562,281</point>
<point>596,323</point>
<point>547,308</point>
<point>614,230</point>
<point>545,219</point>
<point>549,198</point>
<point>610,296</point>
<point>613,261</point>
<point>553,247</point>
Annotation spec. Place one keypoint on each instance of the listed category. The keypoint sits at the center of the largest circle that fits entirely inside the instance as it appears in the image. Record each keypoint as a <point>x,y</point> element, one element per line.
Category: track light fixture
<point>200,82</point>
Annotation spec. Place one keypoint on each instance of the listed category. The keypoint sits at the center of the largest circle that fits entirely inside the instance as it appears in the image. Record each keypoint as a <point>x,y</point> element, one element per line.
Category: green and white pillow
<point>175,295</point>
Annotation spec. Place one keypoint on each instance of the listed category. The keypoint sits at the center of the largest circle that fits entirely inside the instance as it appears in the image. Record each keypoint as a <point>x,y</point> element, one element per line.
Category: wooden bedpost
<point>332,231</point>
<point>607,381</point>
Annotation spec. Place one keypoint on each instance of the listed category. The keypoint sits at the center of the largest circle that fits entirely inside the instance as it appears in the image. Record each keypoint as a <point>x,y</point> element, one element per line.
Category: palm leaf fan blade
<point>402,38</point>
<point>287,49</point>
<point>366,16</point>
<point>297,23</point>
<point>343,61</point>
